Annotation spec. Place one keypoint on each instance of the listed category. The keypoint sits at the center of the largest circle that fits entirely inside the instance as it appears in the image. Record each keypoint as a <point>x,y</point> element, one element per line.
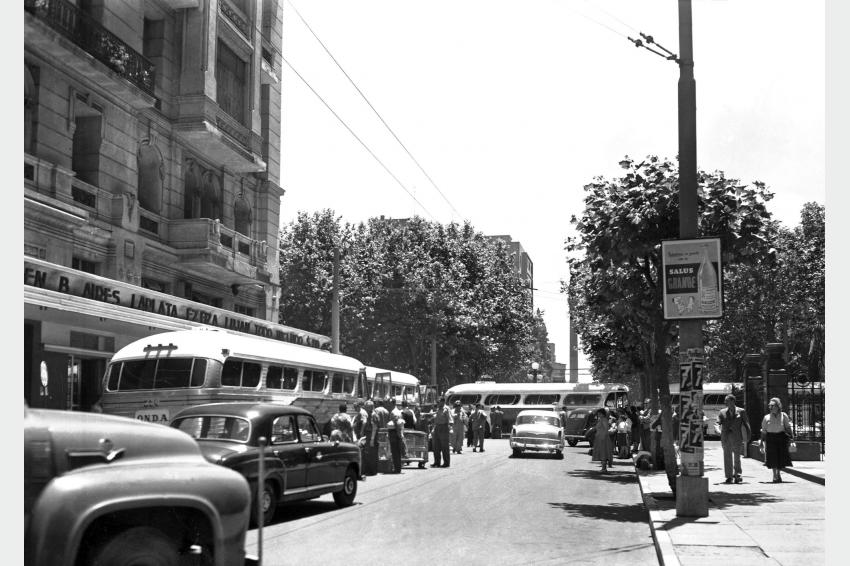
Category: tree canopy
<point>405,284</point>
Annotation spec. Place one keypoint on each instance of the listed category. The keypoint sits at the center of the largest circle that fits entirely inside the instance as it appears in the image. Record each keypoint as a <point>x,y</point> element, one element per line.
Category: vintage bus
<point>579,398</point>
<point>153,378</point>
<point>713,399</point>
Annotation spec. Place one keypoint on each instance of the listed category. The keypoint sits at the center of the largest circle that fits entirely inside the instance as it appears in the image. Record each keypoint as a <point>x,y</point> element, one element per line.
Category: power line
<point>341,121</point>
<point>378,114</point>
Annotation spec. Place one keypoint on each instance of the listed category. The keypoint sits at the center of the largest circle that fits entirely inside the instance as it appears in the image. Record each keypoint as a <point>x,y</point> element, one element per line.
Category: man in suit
<point>478,422</point>
<point>734,433</point>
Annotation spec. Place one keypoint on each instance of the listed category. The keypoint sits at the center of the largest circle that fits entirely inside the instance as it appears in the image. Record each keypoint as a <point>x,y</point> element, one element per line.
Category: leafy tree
<point>615,288</point>
<point>405,285</point>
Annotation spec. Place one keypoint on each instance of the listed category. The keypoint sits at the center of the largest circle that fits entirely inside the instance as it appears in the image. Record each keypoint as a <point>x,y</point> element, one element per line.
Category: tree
<point>405,286</point>
<point>615,288</point>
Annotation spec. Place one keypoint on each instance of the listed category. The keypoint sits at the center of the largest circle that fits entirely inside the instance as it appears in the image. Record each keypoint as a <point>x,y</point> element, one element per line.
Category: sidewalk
<point>755,522</point>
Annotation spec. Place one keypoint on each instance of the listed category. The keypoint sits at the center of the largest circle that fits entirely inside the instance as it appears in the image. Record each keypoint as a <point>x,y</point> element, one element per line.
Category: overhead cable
<point>378,114</point>
<point>341,121</point>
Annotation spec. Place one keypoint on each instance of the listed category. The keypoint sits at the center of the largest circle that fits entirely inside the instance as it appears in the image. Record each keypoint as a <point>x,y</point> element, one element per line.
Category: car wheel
<point>268,501</point>
<point>559,454</point>
<point>517,452</point>
<point>572,441</point>
<point>345,496</point>
<point>421,465</point>
<point>137,546</point>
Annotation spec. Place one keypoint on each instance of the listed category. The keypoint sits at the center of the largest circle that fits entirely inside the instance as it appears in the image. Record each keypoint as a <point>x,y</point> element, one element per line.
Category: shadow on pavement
<point>301,510</point>
<point>723,499</point>
<point>635,513</point>
<point>614,476</point>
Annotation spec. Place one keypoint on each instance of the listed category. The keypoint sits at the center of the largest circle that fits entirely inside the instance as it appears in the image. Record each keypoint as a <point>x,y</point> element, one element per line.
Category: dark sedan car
<point>299,462</point>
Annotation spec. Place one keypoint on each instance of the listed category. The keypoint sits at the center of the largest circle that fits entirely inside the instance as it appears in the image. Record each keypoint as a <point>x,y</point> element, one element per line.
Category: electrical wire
<point>341,121</point>
<point>378,114</point>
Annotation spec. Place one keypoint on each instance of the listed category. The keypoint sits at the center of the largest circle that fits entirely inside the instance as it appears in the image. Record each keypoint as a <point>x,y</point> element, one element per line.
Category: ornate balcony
<point>209,247</point>
<point>56,27</point>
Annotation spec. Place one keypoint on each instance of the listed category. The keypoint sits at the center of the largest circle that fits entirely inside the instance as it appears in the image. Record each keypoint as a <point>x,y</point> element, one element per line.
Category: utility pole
<point>335,305</point>
<point>691,490</point>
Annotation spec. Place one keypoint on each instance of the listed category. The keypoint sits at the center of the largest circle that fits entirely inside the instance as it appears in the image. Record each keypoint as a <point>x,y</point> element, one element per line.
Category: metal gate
<point>807,409</point>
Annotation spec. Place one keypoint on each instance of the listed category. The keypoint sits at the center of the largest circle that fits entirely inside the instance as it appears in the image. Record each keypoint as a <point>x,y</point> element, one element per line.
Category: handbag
<point>792,447</point>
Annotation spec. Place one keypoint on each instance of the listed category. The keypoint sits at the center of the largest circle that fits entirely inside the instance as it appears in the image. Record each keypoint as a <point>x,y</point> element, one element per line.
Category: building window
<point>201,192</point>
<point>206,299</point>
<point>30,107</point>
<point>84,265</point>
<point>85,159</point>
<point>231,83</point>
<point>155,285</point>
<point>242,309</point>
<point>149,177</point>
<point>242,216</point>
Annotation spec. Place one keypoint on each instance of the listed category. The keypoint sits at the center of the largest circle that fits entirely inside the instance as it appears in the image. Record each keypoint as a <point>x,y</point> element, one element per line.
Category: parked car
<point>299,462</point>
<point>537,431</point>
<point>107,490</point>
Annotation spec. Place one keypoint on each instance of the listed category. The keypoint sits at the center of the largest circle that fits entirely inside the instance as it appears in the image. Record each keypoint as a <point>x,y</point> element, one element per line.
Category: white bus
<point>579,398</point>
<point>153,378</point>
<point>713,399</point>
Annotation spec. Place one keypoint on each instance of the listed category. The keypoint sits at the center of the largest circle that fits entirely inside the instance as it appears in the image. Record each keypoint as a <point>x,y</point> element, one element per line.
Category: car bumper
<point>536,444</point>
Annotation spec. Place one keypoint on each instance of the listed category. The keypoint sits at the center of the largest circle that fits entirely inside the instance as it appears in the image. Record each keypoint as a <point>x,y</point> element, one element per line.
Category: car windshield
<point>214,427</point>
<point>538,419</point>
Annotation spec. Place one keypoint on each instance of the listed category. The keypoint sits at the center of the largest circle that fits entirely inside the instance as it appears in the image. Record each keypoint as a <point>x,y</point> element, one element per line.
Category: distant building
<point>523,266</point>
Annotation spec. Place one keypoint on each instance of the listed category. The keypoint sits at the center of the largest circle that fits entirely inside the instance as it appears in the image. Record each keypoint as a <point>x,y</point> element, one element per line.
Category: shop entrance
<point>82,387</point>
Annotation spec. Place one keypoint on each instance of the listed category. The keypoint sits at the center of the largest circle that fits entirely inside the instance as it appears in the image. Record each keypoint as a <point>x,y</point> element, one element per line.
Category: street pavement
<point>756,522</point>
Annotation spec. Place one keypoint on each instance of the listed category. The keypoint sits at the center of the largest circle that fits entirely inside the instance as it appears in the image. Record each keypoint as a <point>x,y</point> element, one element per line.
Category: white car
<point>537,431</point>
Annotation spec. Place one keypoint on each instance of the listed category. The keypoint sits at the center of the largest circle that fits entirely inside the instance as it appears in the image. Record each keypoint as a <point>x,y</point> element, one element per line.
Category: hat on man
<point>457,403</point>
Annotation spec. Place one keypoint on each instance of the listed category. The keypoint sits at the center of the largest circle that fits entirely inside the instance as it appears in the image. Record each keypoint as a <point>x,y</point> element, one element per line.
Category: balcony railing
<point>95,39</point>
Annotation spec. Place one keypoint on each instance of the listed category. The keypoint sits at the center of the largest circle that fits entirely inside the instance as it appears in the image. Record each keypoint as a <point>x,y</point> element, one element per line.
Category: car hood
<point>537,429</point>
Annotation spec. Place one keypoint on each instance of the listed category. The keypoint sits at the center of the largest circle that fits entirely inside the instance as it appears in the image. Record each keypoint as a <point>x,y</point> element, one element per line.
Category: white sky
<point>512,106</point>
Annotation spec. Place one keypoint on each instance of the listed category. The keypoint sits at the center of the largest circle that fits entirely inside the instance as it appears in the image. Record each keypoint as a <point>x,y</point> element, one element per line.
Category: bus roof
<point>534,388</point>
<point>398,377</point>
<point>219,344</point>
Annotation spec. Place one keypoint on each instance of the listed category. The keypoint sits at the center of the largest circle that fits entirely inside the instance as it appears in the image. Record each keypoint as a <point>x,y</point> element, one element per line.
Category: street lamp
<point>535,368</point>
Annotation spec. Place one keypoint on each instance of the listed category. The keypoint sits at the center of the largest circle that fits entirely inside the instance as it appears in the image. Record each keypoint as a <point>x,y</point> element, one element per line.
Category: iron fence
<point>807,410</point>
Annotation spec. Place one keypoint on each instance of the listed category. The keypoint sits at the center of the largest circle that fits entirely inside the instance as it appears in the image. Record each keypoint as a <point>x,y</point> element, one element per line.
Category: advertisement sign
<point>693,286</point>
<point>691,414</point>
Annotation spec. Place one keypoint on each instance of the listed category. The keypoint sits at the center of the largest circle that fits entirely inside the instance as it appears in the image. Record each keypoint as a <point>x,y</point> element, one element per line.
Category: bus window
<point>113,373</point>
<point>281,378</point>
<point>137,375</point>
<point>237,373</point>
<point>313,380</point>
<point>542,398</point>
<point>172,373</point>
<point>348,383</point>
<point>501,400</point>
<point>199,372</point>
<point>582,400</point>
<point>467,399</point>
<point>342,382</point>
<point>396,390</point>
<point>231,373</point>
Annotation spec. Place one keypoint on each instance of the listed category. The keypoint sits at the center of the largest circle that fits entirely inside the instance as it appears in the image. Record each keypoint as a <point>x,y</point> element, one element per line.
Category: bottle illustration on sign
<point>707,284</point>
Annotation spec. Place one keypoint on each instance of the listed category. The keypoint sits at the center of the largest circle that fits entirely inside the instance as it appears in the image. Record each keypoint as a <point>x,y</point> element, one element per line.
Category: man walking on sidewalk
<point>734,433</point>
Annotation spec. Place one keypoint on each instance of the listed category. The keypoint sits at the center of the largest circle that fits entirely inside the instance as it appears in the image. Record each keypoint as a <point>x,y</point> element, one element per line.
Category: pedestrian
<point>459,429</point>
<point>408,415</point>
<point>776,435</point>
<point>603,449</point>
<point>496,422</point>
<point>470,434</point>
<point>478,422</point>
<point>624,428</point>
<point>359,419</point>
<point>634,417</point>
<point>341,426</point>
<point>734,434</point>
<point>443,422</point>
<point>369,440</point>
<point>645,419</point>
<point>395,437</point>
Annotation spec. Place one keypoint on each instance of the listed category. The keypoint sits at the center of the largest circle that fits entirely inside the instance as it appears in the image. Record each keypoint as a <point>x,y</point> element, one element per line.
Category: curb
<point>663,543</point>
<point>804,475</point>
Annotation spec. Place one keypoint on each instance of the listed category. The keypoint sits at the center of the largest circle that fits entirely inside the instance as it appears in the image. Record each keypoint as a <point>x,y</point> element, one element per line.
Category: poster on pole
<point>690,412</point>
<point>693,286</point>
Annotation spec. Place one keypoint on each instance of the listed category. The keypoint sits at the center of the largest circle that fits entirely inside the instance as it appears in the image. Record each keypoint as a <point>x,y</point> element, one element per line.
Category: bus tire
<point>345,496</point>
<point>517,453</point>
<point>572,441</point>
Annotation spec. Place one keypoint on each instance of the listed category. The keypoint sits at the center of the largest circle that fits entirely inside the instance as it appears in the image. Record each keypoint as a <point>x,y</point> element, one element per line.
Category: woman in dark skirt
<point>776,434</point>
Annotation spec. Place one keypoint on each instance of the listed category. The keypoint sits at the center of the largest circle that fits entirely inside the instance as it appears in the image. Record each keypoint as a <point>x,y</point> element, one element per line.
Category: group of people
<point>370,417</point>
<point>452,425</point>
<point>776,435</point>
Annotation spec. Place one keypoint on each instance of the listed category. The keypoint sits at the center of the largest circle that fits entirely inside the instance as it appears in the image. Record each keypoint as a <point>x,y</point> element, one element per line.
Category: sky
<point>500,111</point>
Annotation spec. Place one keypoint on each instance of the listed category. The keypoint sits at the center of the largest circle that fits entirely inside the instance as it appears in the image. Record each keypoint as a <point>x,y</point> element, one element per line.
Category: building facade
<point>151,180</point>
